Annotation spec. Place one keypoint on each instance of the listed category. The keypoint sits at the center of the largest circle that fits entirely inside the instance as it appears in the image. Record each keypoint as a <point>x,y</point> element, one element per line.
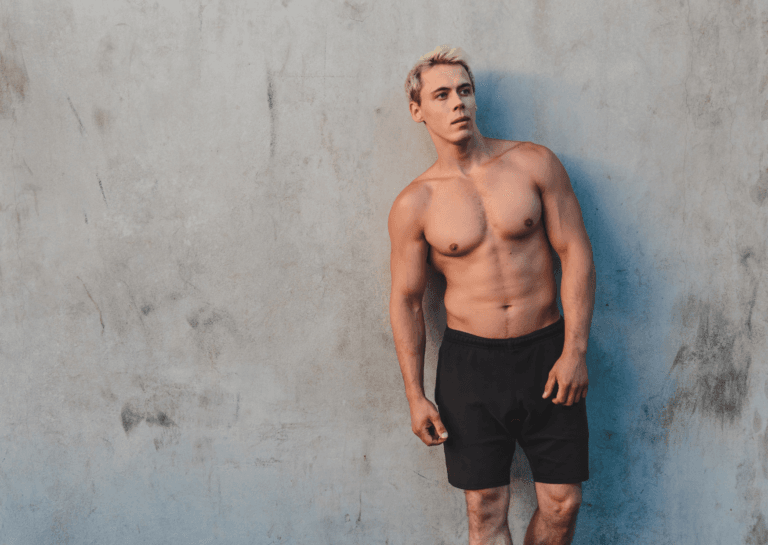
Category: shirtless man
<point>487,215</point>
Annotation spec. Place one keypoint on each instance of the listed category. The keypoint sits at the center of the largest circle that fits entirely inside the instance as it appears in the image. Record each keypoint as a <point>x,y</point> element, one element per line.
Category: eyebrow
<point>439,89</point>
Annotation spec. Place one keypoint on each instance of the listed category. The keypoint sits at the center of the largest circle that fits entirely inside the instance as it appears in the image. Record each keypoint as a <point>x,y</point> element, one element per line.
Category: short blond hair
<point>443,54</point>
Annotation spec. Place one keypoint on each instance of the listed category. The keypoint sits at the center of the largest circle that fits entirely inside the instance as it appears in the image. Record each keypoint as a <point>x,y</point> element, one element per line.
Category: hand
<point>426,423</point>
<point>570,375</point>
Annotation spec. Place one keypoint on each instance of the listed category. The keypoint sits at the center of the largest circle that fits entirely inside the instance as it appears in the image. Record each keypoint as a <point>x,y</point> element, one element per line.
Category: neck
<point>461,156</point>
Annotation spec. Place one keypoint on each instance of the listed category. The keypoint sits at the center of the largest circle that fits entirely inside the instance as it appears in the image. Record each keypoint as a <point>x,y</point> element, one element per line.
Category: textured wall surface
<point>194,332</point>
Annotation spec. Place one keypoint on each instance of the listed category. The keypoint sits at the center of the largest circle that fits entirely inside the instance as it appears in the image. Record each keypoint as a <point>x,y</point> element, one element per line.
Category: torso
<point>486,236</point>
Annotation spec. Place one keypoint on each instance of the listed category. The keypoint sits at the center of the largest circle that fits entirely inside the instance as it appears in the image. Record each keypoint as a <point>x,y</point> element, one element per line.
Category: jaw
<point>453,137</point>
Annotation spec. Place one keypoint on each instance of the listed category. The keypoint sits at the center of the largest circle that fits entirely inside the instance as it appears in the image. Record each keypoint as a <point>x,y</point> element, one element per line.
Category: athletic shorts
<point>488,392</point>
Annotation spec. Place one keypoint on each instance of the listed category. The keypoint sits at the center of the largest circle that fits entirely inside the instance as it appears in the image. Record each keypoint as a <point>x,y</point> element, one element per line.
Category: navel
<point>528,222</point>
<point>454,247</point>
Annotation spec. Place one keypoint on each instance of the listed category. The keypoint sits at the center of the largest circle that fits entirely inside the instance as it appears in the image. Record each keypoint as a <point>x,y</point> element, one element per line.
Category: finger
<point>422,430</point>
<point>578,396</point>
<point>584,394</point>
<point>571,397</point>
<point>425,437</point>
<point>548,388</point>
<point>431,431</point>
<point>562,394</point>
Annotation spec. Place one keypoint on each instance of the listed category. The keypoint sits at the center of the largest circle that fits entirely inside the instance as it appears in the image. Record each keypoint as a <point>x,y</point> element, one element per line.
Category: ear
<point>416,112</point>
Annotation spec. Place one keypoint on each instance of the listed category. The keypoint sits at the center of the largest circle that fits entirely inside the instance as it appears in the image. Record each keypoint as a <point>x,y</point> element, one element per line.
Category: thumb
<point>442,433</point>
<point>548,388</point>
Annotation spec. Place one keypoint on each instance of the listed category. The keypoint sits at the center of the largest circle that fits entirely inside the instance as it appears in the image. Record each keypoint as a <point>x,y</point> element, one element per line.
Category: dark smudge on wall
<point>713,368</point>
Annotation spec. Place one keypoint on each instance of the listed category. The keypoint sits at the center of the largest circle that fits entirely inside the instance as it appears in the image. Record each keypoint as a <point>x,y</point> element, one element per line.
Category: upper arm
<point>562,213</point>
<point>409,248</point>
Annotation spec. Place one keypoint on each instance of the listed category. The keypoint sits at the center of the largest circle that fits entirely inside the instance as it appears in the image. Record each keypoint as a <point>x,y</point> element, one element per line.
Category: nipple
<point>454,247</point>
<point>528,222</point>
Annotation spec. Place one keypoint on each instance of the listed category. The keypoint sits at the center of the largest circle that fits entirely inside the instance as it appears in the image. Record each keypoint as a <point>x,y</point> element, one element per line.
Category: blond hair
<point>443,54</point>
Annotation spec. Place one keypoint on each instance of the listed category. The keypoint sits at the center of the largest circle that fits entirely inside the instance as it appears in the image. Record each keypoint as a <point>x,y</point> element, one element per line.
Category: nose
<point>458,103</point>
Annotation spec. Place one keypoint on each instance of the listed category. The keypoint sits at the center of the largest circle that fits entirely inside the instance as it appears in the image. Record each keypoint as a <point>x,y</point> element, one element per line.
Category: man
<point>486,215</point>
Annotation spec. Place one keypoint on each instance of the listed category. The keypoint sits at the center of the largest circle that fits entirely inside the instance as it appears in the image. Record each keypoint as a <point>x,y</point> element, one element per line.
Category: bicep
<point>409,250</point>
<point>562,214</point>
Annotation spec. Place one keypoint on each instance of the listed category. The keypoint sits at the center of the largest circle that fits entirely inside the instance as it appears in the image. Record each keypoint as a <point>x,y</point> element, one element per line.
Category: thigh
<point>479,450</point>
<point>488,502</point>
<point>555,438</point>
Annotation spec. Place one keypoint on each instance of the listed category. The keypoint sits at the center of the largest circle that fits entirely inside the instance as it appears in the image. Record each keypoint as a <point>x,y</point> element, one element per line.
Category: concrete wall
<point>194,336</point>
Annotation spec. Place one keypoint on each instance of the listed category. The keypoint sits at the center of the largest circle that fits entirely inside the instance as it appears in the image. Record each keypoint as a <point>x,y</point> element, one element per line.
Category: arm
<point>568,236</point>
<point>408,265</point>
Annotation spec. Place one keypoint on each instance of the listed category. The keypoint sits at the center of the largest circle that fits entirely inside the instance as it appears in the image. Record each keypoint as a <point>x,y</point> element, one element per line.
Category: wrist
<point>415,396</point>
<point>575,351</point>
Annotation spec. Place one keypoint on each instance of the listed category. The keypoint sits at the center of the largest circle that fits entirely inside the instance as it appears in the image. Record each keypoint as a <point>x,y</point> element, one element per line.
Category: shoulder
<point>541,163</point>
<point>527,155</point>
<point>410,205</point>
<point>532,155</point>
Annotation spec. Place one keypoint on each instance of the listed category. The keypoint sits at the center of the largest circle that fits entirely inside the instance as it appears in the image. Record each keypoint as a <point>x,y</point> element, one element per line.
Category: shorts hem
<point>574,480</point>
<point>483,486</point>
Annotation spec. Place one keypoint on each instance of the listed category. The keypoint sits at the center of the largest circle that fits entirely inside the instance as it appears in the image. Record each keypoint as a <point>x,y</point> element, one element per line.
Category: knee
<point>562,507</point>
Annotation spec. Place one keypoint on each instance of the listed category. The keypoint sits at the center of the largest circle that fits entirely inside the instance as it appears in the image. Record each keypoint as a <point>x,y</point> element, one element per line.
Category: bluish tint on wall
<point>626,403</point>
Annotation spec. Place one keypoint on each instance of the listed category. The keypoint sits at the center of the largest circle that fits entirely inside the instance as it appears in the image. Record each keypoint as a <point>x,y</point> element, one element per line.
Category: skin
<point>487,215</point>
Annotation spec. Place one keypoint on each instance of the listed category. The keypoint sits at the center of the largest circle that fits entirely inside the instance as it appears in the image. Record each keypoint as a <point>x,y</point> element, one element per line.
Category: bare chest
<point>463,214</point>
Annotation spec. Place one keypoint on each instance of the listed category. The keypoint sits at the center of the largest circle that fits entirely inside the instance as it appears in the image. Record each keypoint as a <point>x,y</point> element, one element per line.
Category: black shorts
<point>488,392</point>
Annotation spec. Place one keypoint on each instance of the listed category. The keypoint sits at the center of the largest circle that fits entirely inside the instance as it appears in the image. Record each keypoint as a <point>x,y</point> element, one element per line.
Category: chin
<point>461,137</point>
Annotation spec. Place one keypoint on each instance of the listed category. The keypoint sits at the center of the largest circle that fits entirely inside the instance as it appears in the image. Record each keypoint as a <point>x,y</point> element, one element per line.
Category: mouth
<point>460,120</point>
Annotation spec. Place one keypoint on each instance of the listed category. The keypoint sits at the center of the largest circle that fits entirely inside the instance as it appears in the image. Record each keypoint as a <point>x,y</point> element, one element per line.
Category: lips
<point>460,120</point>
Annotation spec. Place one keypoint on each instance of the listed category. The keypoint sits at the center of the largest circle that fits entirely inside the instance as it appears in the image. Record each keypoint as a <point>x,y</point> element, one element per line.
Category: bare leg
<point>554,520</point>
<point>487,512</point>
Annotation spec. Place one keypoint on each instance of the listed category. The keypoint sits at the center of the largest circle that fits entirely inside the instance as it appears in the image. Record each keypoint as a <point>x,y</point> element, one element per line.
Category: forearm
<point>407,322</point>
<point>577,293</point>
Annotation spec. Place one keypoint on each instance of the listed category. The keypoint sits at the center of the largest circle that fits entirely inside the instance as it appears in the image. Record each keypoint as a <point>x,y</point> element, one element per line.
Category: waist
<point>547,332</point>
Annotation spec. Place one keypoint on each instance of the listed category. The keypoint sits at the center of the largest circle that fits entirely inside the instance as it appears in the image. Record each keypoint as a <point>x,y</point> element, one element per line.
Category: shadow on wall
<point>618,499</point>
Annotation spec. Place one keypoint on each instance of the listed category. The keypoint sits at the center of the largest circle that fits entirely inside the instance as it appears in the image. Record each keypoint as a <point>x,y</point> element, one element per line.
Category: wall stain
<point>159,419</point>
<point>132,417</point>
<point>102,119</point>
<point>357,11</point>
<point>272,113</point>
<point>212,329</point>
<point>717,366</point>
<point>759,192</point>
<point>762,446</point>
<point>13,79</point>
<point>758,535</point>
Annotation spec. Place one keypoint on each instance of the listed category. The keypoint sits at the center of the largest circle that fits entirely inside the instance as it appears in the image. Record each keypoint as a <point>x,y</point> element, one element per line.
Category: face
<point>448,105</point>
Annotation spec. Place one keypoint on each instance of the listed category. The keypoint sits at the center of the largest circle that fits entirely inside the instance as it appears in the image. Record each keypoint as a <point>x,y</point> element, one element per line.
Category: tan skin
<point>487,215</point>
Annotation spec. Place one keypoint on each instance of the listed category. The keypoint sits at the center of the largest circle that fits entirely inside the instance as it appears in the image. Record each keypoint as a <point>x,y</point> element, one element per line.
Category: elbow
<point>408,302</point>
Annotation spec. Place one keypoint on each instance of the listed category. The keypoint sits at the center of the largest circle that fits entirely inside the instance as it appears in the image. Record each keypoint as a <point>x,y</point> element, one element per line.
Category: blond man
<point>511,370</point>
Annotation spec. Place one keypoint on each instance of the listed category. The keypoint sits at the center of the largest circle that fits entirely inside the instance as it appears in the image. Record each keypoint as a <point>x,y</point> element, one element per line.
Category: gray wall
<point>194,336</point>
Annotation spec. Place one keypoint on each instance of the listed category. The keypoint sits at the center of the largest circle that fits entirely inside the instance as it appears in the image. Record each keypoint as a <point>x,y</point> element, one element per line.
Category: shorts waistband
<point>461,337</point>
